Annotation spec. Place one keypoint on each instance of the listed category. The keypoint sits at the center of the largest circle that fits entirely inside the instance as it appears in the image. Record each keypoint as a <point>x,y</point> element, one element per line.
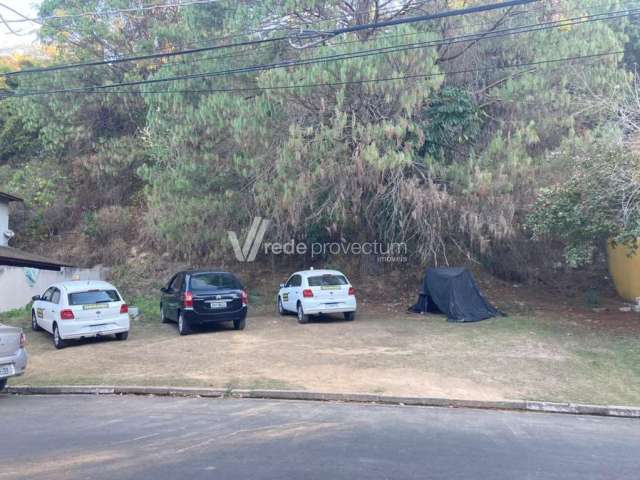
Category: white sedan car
<point>315,292</point>
<point>80,309</point>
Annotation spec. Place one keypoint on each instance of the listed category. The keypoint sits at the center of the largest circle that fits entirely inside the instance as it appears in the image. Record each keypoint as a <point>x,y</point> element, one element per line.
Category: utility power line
<point>42,20</point>
<point>468,37</point>
<point>432,16</point>
<point>389,10</point>
<point>252,50</point>
<point>365,81</point>
<point>243,53</point>
<point>324,34</point>
<point>405,77</point>
<point>347,56</point>
<point>384,10</point>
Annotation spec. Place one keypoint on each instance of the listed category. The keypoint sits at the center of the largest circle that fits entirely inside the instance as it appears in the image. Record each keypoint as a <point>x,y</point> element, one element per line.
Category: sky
<point>9,41</point>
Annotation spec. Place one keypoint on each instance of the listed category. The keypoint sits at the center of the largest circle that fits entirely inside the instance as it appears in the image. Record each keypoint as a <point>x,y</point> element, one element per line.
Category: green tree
<point>450,157</point>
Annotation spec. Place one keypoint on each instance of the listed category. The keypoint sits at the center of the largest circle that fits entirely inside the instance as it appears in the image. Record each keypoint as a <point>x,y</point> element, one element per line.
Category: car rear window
<point>214,281</point>
<point>327,281</point>
<point>92,297</point>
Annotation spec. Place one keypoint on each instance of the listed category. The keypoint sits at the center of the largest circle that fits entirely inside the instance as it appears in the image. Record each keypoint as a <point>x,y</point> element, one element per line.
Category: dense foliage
<point>598,202</point>
<point>443,147</point>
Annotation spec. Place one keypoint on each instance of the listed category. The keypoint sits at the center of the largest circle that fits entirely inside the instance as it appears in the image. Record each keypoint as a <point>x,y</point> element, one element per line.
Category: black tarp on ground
<point>453,292</point>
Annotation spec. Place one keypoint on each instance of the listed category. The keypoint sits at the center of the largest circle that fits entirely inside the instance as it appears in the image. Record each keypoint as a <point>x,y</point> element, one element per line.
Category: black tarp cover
<point>453,292</point>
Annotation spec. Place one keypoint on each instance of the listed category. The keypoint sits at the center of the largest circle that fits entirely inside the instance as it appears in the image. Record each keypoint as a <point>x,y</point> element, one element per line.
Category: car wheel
<point>349,316</point>
<point>302,317</point>
<point>240,324</point>
<point>3,383</point>
<point>280,306</point>
<point>183,325</point>
<point>58,342</point>
<point>122,336</point>
<point>34,322</point>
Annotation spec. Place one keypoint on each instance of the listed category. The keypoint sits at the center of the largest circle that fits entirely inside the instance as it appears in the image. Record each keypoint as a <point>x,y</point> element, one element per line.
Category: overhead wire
<point>243,53</point>
<point>328,34</point>
<point>419,76</point>
<point>347,56</point>
<point>371,80</point>
<point>389,10</point>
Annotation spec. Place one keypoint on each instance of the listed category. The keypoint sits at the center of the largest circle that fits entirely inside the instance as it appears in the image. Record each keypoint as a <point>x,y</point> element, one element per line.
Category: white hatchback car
<point>315,292</point>
<point>80,309</point>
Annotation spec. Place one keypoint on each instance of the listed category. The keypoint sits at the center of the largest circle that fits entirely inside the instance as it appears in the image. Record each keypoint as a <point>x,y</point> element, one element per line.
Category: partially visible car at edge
<point>13,354</point>
<point>316,292</point>
<point>200,297</point>
<point>80,309</point>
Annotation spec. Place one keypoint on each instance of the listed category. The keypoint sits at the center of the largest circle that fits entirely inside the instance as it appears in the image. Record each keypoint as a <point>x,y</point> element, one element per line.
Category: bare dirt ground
<point>542,351</point>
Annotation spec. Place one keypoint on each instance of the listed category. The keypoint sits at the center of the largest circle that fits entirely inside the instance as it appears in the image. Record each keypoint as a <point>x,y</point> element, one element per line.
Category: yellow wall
<point>625,271</point>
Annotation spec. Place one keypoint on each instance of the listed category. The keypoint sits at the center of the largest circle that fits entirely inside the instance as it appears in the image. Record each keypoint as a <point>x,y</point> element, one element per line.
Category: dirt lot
<point>559,353</point>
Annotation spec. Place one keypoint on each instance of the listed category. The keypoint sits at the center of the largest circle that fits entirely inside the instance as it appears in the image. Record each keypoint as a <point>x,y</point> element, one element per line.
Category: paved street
<point>82,437</point>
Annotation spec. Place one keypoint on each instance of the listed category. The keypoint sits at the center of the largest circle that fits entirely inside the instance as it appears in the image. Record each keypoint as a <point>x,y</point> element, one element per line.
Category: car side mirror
<point>164,290</point>
<point>35,298</point>
<point>282,285</point>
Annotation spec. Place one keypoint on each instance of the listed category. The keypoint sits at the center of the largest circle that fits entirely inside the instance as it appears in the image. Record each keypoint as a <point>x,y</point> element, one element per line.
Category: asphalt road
<point>90,437</point>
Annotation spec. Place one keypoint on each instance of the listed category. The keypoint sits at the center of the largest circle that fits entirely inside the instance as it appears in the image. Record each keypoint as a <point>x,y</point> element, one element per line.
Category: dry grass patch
<point>528,355</point>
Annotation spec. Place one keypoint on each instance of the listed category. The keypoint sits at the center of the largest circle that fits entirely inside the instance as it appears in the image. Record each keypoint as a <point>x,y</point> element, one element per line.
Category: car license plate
<point>7,370</point>
<point>217,304</point>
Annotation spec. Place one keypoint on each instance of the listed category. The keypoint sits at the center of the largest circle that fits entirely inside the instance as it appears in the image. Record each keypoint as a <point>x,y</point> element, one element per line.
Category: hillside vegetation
<point>464,137</point>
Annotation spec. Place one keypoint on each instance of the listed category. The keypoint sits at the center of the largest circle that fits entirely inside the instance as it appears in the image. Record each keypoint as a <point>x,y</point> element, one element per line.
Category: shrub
<point>598,202</point>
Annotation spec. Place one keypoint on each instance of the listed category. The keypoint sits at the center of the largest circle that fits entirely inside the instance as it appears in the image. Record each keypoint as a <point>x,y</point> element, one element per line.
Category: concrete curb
<point>509,405</point>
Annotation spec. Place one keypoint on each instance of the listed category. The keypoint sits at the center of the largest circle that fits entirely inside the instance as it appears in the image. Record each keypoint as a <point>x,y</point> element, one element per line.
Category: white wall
<point>16,291</point>
<point>4,223</point>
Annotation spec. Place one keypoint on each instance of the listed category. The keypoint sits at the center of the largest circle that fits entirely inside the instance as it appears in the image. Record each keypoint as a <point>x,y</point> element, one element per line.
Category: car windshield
<point>93,296</point>
<point>214,281</point>
<point>327,280</point>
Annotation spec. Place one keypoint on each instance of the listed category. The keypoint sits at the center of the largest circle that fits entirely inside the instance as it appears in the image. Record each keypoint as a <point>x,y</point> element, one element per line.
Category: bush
<point>597,203</point>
